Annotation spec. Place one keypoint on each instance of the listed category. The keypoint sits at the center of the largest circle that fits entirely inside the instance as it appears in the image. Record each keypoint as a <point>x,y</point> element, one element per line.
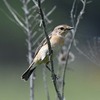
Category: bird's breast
<point>56,44</point>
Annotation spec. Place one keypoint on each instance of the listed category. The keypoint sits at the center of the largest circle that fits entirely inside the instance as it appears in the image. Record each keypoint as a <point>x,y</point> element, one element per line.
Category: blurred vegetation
<point>82,82</point>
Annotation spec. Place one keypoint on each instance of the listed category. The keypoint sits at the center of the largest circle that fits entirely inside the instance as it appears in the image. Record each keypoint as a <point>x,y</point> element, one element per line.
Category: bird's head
<point>62,30</point>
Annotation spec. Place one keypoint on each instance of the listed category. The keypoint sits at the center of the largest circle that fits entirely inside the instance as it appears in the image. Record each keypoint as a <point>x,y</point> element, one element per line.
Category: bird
<point>57,39</point>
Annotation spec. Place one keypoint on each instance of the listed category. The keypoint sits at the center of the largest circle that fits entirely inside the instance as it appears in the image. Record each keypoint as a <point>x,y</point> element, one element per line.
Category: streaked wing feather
<point>44,41</point>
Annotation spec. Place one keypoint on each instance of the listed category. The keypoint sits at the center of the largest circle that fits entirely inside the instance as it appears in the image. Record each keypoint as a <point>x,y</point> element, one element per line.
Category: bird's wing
<point>44,41</point>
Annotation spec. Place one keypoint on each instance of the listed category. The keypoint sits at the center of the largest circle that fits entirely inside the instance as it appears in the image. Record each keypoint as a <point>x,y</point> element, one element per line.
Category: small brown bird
<point>57,39</point>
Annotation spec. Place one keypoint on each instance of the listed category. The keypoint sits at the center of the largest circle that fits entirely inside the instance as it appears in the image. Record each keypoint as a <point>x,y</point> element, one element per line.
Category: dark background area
<point>12,38</point>
<point>82,84</point>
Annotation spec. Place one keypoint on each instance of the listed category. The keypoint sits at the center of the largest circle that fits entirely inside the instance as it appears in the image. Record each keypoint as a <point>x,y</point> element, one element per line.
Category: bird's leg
<point>51,71</point>
<point>51,52</point>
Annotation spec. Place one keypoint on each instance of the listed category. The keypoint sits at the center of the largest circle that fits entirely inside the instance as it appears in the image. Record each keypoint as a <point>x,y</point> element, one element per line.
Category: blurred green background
<point>82,82</point>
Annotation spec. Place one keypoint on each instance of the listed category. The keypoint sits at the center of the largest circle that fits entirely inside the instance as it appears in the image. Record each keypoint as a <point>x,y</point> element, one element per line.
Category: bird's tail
<point>25,76</point>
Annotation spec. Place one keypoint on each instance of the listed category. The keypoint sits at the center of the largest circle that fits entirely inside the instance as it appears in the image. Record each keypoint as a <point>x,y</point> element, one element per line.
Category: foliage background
<point>82,81</point>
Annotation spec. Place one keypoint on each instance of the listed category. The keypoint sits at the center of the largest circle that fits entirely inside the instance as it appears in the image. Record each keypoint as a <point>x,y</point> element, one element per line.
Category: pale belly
<point>42,56</point>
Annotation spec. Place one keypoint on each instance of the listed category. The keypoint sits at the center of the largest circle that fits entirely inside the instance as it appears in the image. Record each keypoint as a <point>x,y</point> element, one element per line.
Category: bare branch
<point>88,2</point>
<point>80,14</point>
<point>72,12</point>
<point>45,83</point>
<point>91,53</point>
<point>14,15</point>
<point>68,51</point>
<point>29,43</point>
<point>50,50</point>
<point>44,26</point>
<point>45,15</point>
<point>36,3</point>
<point>36,41</point>
<point>51,11</point>
<point>73,32</point>
<point>85,55</point>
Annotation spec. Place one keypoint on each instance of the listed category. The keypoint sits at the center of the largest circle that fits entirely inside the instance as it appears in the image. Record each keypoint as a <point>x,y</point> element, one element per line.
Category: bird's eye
<point>62,28</point>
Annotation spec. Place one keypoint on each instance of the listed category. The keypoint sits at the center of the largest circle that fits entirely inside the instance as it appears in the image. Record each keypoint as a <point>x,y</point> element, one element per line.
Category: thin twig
<point>45,83</point>
<point>50,12</point>
<point>27,23</point>
<point>68,50</point>
<point>72,13</point>
<point>91,51</point>
<point>50,50</point>
<point>35,42</point>
<point>73,36</point>
<point>85,55</point>
<point>14,15</point>
<point>80,14</point>
<point>44,26</point>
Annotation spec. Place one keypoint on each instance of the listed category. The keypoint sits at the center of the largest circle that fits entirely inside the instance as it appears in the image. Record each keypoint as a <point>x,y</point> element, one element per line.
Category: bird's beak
<point>70,28</point>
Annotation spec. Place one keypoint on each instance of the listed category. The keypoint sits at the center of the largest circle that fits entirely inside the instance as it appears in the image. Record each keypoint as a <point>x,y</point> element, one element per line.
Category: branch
<point>44,26</point>
<point>85,55</point>
<point>36,41</point>
<point>80,14</point>
<point>68,51</point>
<point>14,15</point>
<point>45,15</point>
<point>45,83</point>
<point>72,13</point>
<point>73,32</point>
<point>51,11</point>
<point>29,44</point>
<point>50,50</point>
<point>91,53</point>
